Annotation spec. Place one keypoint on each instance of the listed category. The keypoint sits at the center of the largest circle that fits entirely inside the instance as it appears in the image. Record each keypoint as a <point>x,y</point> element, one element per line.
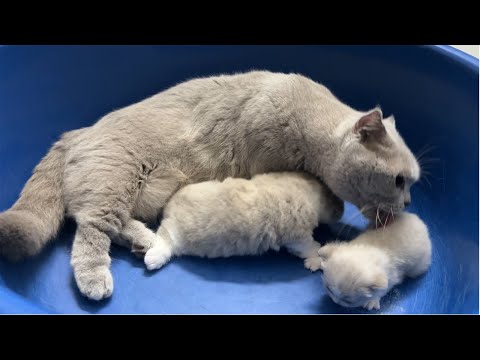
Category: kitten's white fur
<point>362,271</point>
<point>244,217</point>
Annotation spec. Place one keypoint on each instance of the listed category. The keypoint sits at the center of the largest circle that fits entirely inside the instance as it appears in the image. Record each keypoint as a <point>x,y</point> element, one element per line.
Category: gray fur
<point>133,160</point>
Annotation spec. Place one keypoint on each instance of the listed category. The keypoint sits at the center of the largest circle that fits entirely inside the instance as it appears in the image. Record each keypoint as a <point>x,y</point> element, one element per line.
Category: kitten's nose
<point>407,203</point>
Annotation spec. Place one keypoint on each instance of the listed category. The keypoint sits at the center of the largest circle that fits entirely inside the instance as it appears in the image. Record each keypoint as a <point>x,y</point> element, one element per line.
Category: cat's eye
<point>400,181</point>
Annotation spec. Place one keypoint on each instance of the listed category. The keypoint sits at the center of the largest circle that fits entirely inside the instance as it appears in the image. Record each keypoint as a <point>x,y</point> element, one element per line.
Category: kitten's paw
<point>157,256</point>
<point>372,304</point>
<point>313,263</point>
<point>96,284</point>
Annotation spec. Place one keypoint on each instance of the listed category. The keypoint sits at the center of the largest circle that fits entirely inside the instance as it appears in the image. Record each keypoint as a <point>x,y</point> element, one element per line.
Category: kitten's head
<point>353,275</point>
<point>374,168</point>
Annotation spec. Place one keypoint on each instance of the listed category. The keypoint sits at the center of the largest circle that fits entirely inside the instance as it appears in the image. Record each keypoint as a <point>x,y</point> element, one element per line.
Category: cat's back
<point>176,107</point>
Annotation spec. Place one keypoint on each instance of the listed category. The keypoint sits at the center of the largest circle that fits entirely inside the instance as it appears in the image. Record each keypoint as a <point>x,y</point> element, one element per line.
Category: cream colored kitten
<point>362,271</point>
<point>244,217</point>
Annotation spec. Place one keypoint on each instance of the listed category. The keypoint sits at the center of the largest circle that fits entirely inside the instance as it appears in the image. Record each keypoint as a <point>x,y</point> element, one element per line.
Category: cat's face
<point>349,280</point>
<point>375,169</point>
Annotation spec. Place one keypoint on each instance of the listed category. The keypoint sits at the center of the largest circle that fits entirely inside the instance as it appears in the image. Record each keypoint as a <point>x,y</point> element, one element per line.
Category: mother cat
<point>125,167</point>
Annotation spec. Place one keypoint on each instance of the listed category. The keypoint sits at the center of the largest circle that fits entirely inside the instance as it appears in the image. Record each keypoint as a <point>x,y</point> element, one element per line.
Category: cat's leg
<point>91,261</point>
<point>304,249</point>
<point>136,236</point>
<point>100,213</point>
<point>308,250</point>
<point>90,252</point>
<point>372,304</point>
<point>313,263</point>
<point>103,205</point>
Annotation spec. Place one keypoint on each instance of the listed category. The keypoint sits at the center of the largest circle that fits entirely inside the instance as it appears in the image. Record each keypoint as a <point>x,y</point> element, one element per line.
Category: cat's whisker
<point>424,175</point>
<point>424,151</point>
<point>428,181</point>
<point>427,161</point>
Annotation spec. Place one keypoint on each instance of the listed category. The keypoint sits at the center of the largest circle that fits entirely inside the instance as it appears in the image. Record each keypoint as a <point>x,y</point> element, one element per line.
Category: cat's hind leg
<point>91,261</point>
<point>304,248</point>
<point>102,206</point>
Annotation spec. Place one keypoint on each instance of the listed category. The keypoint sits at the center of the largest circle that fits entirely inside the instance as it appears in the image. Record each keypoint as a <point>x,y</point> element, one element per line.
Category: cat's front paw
<point>96,284</point>
<point>139,250</point>
<point>157,256</point>
<point>313,263</point>
<point>372,304</point>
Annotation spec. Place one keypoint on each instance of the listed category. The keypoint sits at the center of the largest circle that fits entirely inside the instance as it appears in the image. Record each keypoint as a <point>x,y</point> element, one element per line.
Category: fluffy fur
<point>361,272</point>
<point>245,217</point>
<point>125,167</point>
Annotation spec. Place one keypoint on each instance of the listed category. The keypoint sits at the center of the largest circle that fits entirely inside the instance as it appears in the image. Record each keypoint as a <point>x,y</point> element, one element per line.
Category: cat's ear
<point>370,127</point>
<point>391,118</point>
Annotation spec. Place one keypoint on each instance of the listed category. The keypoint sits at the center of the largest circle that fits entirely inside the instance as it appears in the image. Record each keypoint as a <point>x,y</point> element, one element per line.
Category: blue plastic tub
<point>433,92</point>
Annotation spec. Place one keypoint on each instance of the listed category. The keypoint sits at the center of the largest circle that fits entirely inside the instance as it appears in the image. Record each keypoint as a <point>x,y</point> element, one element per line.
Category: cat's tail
<point>38,214</point>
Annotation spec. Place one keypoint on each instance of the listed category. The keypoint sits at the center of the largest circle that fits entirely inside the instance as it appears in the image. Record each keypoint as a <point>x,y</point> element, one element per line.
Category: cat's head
<point>374,168</point>
<point>353,276</point>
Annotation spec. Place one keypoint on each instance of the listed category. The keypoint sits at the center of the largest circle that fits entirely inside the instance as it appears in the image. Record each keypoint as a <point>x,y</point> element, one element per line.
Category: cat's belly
<point>219,243</point>
<point>163,182</point>
<point>227,246</point>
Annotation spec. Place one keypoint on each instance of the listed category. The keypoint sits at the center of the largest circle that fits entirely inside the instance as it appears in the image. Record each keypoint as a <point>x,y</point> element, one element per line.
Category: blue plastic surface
<point>433,92</point>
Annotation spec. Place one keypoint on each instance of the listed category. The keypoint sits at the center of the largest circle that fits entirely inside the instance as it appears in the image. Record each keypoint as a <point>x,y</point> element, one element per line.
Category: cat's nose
<point>407,199</point>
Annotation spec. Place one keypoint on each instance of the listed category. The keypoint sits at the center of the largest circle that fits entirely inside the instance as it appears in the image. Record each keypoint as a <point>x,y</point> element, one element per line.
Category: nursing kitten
<point>244,217</point>
<point>126,167</point>
<point>362,271</point>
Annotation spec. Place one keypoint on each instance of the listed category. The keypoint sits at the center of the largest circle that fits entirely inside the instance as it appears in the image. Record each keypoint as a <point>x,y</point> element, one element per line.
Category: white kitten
<point>244,217</point>
<point>362,271</point>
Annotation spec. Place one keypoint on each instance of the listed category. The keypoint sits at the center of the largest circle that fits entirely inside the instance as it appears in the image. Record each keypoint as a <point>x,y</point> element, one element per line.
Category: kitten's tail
<point>38,214</point>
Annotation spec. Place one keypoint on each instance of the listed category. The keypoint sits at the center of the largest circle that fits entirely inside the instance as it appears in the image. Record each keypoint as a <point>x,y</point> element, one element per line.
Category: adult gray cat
<point>125,167</point>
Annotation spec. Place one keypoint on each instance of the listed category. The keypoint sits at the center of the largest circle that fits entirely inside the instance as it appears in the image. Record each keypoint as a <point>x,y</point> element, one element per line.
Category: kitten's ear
<point>370,127</point>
